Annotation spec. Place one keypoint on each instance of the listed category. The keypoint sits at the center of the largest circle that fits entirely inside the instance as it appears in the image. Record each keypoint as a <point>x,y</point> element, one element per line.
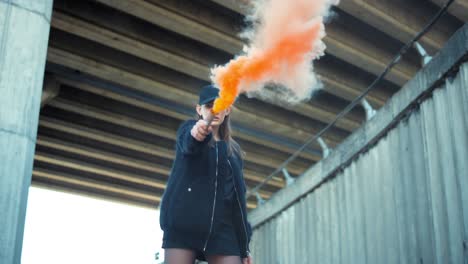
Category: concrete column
<point>24,34</point>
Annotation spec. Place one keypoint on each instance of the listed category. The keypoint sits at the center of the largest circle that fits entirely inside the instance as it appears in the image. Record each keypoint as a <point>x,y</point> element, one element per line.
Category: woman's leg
<point>179,256</point>
<point>220,259</point>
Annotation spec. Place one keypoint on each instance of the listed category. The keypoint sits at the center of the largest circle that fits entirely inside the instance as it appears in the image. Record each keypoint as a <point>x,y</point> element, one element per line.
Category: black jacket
<point>193,198</point>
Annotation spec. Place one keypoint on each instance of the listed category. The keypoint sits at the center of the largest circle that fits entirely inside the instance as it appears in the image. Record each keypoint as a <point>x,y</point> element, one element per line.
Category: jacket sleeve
<point>241,160</point>
<point>248,226</point>
<point>246,253</point>
<point>249,235</point>
<point>186,143</point>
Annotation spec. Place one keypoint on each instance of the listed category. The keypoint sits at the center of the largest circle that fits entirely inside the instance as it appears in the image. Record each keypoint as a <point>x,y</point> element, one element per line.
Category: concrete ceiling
<point>122,75</point>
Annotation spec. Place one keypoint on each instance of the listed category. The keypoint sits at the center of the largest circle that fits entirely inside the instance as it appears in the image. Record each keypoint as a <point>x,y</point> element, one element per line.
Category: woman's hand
<point>247,260</point>
<point>200,130</point>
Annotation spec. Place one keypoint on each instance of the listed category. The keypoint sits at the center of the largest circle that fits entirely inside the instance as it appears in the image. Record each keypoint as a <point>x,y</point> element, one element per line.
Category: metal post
<point>370,112</point>
<point>422,52</point>
<point>289,180</point>
<point>24,38</point>
<point>260,200</point>
<point>325,149</point>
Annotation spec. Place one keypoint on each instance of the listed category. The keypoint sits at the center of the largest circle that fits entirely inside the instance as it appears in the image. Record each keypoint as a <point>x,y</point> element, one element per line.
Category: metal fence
<point>396,191</point>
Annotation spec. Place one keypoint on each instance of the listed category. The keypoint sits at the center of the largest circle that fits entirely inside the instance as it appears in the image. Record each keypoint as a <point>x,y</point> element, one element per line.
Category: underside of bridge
<point>122,75</point>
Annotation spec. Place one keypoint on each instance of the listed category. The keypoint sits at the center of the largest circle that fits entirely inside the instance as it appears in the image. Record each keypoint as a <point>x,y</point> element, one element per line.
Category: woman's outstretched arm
<point>192,135</point>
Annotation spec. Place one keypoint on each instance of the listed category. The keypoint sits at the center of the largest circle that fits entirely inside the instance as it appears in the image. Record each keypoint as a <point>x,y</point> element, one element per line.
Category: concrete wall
<point>24,34</point>
<point>396,191</point>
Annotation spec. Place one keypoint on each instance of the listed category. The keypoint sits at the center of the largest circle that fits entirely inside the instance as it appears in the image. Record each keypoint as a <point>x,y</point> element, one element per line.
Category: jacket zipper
<point>214,200</point>
<point>242,214</point>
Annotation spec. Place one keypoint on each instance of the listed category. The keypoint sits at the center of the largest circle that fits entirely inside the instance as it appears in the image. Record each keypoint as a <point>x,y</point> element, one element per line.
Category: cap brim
<point>208,100</point>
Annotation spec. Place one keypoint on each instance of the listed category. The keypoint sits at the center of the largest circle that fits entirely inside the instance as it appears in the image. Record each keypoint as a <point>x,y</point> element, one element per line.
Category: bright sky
<point>67,228</point>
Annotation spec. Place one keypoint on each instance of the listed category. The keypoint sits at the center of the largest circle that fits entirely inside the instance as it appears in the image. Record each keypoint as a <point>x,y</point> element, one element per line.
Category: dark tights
<point>187,256</point>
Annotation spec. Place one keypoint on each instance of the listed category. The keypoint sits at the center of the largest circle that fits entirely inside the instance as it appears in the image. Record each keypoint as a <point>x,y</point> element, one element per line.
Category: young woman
<point>203,210</point>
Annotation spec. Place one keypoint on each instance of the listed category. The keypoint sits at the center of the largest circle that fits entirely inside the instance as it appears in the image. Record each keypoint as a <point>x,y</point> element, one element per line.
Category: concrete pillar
<point>24,34</point>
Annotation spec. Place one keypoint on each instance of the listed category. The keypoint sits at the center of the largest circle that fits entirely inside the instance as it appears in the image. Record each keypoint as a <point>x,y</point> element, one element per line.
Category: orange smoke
<point>288,50</point>
<point>285,38</point>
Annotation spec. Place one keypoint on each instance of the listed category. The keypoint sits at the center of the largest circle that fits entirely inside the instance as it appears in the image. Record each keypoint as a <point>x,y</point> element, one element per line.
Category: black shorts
<point>222,242</point>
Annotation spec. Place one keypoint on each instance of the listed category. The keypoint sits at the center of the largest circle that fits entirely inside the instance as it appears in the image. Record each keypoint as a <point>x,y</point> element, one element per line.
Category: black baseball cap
<point>208,94</point>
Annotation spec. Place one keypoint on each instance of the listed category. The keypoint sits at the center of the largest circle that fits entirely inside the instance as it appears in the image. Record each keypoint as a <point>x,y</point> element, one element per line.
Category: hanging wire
<point>356,101</point>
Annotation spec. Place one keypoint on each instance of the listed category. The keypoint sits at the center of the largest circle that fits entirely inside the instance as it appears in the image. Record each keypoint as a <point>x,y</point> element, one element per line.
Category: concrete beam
<point>122,94</point>
<point>459,8</point>
<point>99,188</point>
<point>94,153</point>
<point>350,47</point>
<point>342,43</point>
<point>173,61</point>
<point>108,138</point>
<point>235,5</point>
<point>87,167</point>
<point>174,22</point>
<point>126,99</point>
<point>132,37</point>
<point>363,54</point>
<point>342,39</point>
<point>402,20</point>
<point>181,95</point>
<point>353,49</point>
<point>24,27</point>
<point>45,183</point>
<point>131,144</point>
<point>160,129</point>
<point>340,87</point>
<point>203,13</point>
<point>51,89</point>
<point>73,181</point>
<point>141,50</point>
<point>129,45</point>
<point>97,154</point>
<point>76,184</point>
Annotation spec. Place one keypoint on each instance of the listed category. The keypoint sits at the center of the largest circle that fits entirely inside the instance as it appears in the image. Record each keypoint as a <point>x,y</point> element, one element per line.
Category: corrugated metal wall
<point>405,200</point>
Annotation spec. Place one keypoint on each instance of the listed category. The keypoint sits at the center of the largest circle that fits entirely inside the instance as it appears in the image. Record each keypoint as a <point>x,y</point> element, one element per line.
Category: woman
<point>203,210</point>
